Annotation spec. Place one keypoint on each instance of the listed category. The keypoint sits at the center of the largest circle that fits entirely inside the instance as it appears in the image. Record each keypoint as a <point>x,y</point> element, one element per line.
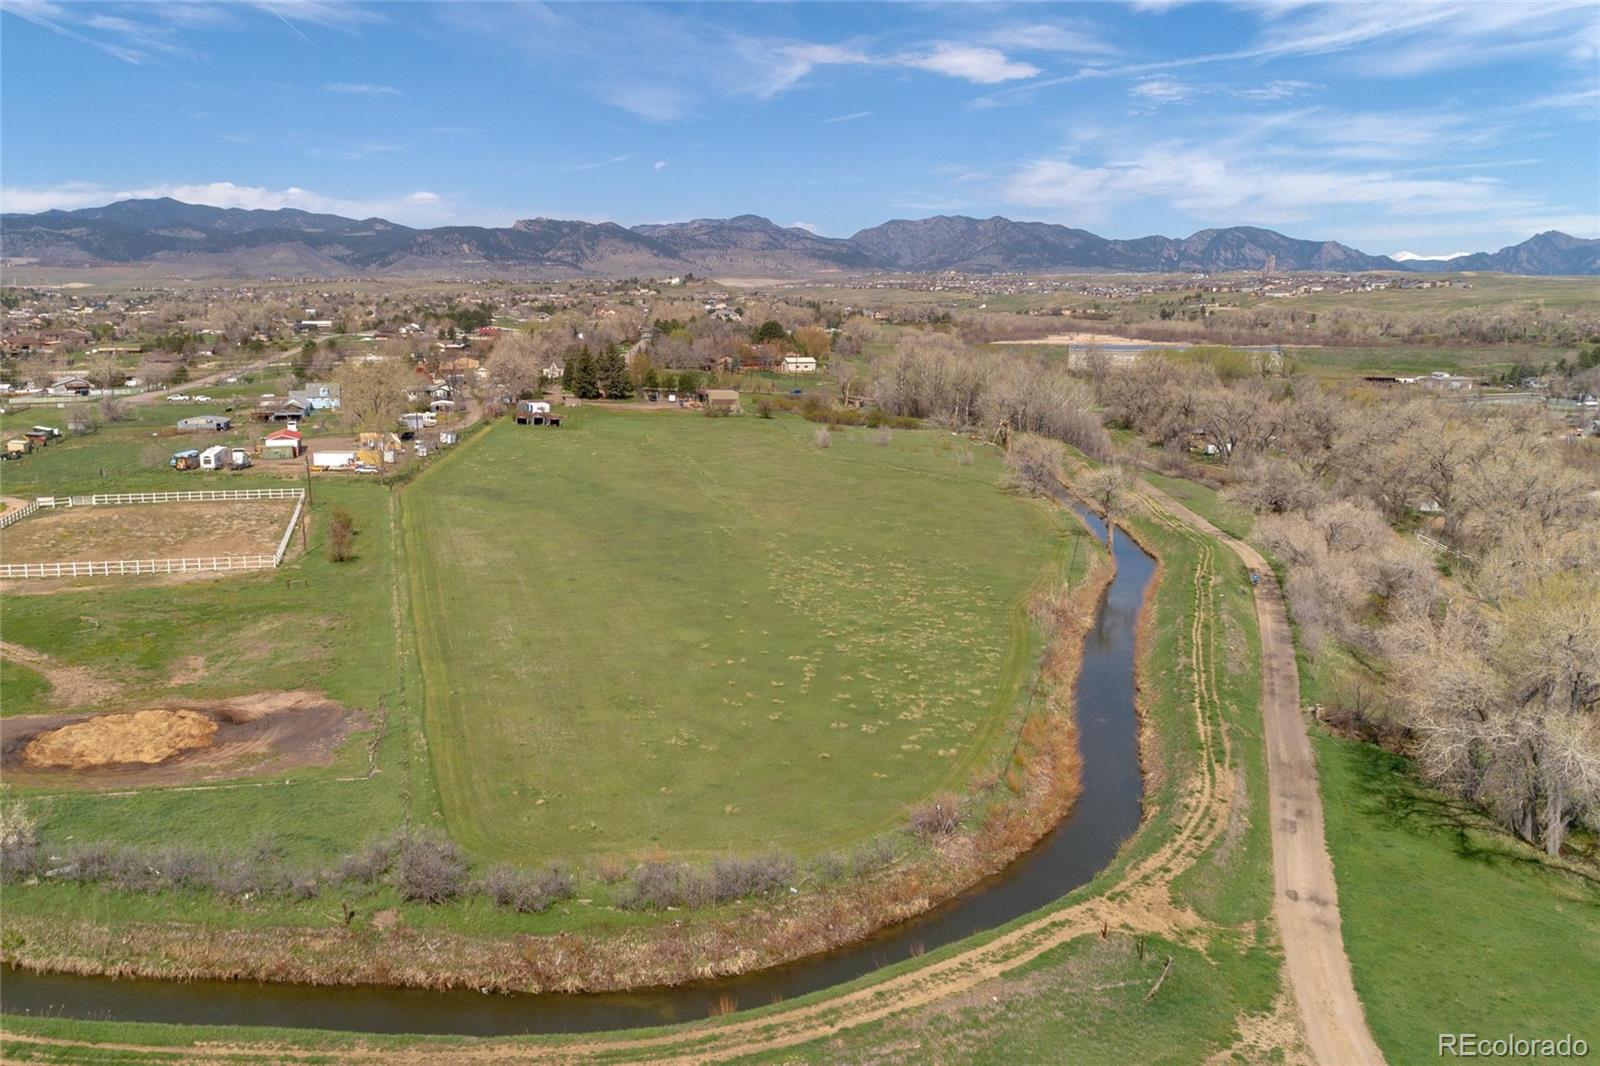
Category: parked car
<point>178,397</point>
<point>199,399</point>
<point>367,468</point>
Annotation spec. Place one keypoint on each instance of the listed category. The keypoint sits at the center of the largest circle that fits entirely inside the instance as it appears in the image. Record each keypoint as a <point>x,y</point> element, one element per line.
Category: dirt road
<point>1305,897</point>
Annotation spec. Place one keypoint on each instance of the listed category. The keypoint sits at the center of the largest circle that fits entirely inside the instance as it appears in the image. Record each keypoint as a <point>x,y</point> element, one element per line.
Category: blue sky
<point>1432,128</point>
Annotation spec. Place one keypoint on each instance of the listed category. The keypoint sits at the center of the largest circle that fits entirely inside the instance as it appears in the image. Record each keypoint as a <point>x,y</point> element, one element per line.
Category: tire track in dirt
<point>1305,894</point>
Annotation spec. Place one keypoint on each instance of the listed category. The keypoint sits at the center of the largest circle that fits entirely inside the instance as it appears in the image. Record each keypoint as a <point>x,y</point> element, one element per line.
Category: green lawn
<point>1206,502</point>
<point>312,624</point>
<point>21,689</point>
<point>1452,926</point>
<point>707,635</point>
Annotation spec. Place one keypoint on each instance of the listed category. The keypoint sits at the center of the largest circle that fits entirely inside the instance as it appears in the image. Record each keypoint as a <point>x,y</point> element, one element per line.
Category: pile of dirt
<point>263,733</point>
<point>142,737</point>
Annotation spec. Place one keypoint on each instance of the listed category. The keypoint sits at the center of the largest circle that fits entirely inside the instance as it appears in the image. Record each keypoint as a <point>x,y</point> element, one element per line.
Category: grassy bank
<point>1451,925</point>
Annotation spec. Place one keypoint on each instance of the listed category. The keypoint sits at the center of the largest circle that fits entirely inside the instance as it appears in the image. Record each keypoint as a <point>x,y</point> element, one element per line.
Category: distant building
<point>204,423</point>
<point>316,397</point>
<point>799,364</point>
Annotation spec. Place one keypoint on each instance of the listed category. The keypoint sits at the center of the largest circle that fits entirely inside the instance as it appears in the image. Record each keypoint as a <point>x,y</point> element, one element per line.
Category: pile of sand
<point>145,737</point>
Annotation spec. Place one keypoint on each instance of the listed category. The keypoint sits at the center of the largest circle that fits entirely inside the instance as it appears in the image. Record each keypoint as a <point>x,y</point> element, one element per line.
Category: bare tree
<point>372,392</point>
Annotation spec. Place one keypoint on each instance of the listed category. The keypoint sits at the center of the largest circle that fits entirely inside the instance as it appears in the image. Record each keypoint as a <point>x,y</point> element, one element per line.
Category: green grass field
<point>657,630</point>
<point>1450,925</point>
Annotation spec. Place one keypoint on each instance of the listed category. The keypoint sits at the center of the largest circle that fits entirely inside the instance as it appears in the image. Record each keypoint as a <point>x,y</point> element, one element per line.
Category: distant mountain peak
<point>235,242</point>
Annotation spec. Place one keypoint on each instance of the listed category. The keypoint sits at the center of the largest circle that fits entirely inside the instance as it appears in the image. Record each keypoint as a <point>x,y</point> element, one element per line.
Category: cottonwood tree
<point>516,366</point>
<point>372,392</point>
<point>1110,488</point>
<point>1505,703</point>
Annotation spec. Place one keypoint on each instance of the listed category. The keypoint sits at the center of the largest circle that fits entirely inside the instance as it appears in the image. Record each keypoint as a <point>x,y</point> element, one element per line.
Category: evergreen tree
<point>567,375</point>
<point>586,377</point>
<point>613,374</point>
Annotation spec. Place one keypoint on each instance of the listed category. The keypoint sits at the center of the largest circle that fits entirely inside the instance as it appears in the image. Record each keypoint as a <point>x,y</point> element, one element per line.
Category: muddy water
<point>1106,813</point>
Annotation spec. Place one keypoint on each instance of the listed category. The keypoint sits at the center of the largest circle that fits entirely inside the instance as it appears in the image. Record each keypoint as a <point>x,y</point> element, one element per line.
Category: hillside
<point>168,235</point>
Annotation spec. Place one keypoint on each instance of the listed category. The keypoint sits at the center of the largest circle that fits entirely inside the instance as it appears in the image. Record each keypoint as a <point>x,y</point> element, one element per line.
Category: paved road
<point>1305,896</point>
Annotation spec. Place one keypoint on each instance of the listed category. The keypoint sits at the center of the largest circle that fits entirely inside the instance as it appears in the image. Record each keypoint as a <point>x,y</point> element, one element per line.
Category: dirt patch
<point>148,531</point>
<point>73,686</point>
<point>145,737</point>
<point>200,741</point>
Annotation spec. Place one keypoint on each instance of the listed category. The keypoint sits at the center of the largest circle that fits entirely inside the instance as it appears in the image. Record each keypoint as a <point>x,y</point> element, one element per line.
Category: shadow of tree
<point>1392,794</point>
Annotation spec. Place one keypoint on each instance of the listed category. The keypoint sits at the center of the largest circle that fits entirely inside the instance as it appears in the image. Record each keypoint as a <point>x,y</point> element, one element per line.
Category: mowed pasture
<point>175,530</point>
<point>661,631</point>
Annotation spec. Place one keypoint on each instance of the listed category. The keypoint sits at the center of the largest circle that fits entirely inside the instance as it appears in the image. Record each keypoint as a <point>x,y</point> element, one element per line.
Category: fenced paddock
<point>114,534</point>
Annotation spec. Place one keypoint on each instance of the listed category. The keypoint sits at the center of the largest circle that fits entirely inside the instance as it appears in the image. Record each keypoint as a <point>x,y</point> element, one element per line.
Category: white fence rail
<point>113,499</point>
<point>139,566</point>
<point>294,521</point>
<point>18,514</point>
<point>112,567</point>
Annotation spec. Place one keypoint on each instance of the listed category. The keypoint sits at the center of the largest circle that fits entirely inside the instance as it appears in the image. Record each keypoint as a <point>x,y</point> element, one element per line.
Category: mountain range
<point>169,238</point>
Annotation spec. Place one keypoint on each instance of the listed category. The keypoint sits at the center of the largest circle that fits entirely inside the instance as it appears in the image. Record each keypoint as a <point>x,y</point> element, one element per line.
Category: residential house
<point>799,364</point>
<point>316,397</point>
<point>72,385</point>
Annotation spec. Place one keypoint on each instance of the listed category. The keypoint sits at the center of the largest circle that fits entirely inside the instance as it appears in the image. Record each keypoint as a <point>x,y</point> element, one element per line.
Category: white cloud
<point>851,117</point>
<point>659,164</point>
<point>809,227</point>
<point>599,163</point>
<point>984,66</point>
<point>658,103</point>
<point>419,206</point>
<point>1399,39</point>
<point>1163,90</point>
<point>1050,37</point>
<point>360,88</point>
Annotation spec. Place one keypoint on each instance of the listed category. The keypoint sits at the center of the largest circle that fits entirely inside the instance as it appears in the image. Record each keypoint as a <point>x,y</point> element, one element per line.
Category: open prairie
<point>702,634</point>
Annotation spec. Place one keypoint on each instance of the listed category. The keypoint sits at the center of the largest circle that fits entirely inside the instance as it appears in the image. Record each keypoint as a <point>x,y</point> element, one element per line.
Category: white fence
<point>18,514</point>
<point>112,567</point>
<point>140,566</point>
<point>113,499</point>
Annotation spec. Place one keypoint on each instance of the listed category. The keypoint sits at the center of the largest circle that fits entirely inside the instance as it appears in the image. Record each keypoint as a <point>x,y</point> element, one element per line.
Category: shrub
<point>368,864</point>
<point>19,844</point>
<point>764,407</point>
<point>736,878</point>
<point>823,438</point>
<point>938,819</point>
<point>429,868</point>
<point>341,535</point>
<point>658,885</point>
<point>610,869</point>
<point>526,892</point>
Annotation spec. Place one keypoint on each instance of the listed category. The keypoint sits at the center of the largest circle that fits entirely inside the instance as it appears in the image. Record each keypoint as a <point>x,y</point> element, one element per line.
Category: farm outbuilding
<point>282,444</point>
<point>720,399</point>
<point>204,423</point>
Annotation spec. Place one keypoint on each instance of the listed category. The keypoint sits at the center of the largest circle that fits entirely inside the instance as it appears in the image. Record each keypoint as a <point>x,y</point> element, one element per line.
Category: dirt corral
<point>180,742</point>
<point>148,531</point>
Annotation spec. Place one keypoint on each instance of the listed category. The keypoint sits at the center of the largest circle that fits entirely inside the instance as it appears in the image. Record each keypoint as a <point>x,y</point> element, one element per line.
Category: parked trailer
<point>332,460</point>
<point>216,457</point>
<point>186,460</point>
